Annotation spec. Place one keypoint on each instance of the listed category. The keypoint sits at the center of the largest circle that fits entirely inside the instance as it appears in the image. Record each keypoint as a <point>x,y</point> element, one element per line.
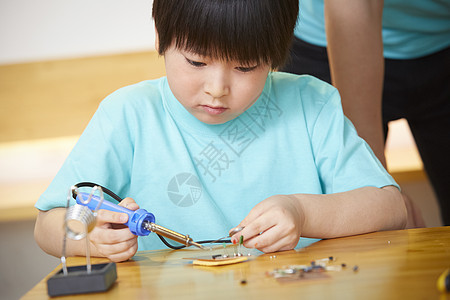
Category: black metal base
<point>78,281</point>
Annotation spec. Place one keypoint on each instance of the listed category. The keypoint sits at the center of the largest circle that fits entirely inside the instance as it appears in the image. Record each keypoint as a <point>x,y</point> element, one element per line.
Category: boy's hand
<point>274,224</point>
<point>110,237</point>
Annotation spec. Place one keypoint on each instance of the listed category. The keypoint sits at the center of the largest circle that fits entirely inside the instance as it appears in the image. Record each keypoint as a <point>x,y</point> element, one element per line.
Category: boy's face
<point>214,91</point>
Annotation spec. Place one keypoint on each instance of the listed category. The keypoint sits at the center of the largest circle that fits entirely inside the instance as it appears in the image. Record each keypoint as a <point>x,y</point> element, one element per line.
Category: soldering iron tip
<point>196,245</point>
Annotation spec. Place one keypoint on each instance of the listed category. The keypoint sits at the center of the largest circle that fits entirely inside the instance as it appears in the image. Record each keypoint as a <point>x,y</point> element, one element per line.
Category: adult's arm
<point>355,51</point>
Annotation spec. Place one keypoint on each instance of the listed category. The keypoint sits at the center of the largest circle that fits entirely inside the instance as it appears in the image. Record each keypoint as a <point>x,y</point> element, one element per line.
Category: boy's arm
<point>358,211</point>
<point>277,222</point>
<point>355,51</point>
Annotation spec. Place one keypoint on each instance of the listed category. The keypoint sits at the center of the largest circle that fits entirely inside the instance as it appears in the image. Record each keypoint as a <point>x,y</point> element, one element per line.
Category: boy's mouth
<point>213,110</point>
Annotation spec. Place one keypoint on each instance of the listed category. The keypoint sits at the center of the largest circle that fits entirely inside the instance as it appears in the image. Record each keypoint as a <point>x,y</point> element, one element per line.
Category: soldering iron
<point>140,221</point>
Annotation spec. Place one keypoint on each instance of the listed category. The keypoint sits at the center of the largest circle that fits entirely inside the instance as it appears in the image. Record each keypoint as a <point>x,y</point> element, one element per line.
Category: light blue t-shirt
<point>201,179</point>
<point>411,28</point>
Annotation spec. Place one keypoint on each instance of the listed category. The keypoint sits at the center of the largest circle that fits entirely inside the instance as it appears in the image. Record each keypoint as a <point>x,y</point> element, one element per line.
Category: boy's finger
<point>112,237</point>
<point>107,216</point>
<point>255,213</point>
<point>254,229</point>
<point>268,245</point>
<point>129,203</point>
<point>269,239</point>
<point>127,251</point>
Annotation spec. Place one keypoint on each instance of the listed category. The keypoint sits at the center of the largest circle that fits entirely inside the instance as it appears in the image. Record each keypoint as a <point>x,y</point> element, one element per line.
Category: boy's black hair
<point>246,31</point>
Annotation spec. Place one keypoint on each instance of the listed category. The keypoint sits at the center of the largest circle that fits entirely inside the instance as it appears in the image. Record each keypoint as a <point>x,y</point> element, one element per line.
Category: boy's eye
<point>246,69</point>
<point>195,63</point>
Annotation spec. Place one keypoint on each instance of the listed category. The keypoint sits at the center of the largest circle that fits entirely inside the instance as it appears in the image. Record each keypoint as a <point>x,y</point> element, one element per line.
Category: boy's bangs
<point>225,35</point>
<point>247,32</point>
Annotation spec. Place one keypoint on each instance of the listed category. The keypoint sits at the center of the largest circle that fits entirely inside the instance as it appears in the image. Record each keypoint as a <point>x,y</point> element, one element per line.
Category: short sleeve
<point>343,159</point>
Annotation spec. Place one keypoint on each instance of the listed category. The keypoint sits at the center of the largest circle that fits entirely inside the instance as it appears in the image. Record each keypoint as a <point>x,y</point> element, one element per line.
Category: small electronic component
<point>241,242</point>
<point>315,270</point>
<point>237,246</point>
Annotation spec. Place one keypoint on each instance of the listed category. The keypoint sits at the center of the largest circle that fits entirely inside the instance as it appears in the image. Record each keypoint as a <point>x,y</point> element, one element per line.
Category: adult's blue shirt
<point>411,28</point>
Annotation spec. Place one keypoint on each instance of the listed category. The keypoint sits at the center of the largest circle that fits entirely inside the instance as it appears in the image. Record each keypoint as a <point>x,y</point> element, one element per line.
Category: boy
<point>224,142</point>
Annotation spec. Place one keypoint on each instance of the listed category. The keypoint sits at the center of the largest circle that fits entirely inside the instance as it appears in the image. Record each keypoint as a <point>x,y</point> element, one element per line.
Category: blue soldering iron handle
<point>135,217</point>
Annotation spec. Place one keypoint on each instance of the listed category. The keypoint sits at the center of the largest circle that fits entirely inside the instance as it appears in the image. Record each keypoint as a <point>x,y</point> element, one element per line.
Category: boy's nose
<point>217,85</point>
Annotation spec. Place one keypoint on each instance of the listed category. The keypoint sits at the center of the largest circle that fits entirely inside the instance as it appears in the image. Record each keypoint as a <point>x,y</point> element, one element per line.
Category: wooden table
<point>403,264</point>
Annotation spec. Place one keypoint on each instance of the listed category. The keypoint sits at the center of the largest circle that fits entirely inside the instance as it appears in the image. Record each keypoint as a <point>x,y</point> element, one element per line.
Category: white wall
<point>51,29</point>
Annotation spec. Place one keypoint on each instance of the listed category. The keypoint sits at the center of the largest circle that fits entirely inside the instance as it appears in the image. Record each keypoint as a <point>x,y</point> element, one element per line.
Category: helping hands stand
<point>79,221</point>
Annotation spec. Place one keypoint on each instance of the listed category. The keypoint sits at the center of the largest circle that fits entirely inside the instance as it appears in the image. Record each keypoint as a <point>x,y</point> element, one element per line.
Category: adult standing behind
<point>389,61</point>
